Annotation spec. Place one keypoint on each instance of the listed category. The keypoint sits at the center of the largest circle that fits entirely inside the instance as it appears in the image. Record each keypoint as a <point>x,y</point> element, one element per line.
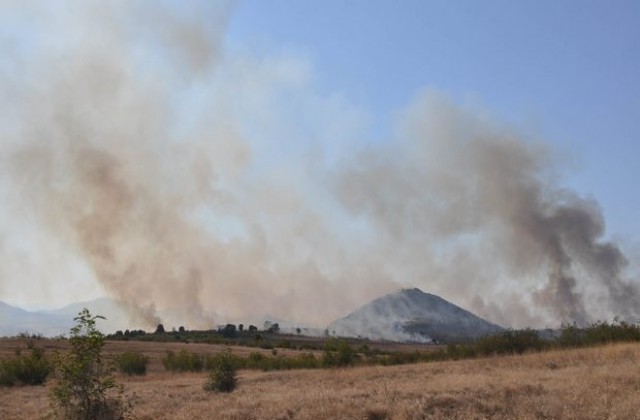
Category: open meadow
<point>590,383</point>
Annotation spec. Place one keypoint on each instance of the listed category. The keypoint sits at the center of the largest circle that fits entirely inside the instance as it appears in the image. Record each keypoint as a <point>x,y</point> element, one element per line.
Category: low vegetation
<point>85,385</point>
<point>583,383</point>
<point>25,370</point>
<point>222,376</point>
<point>132,363</point>
<point>86,388</point>
<point>325,353</point>
<point>521,341</point>
<point>183,361</point>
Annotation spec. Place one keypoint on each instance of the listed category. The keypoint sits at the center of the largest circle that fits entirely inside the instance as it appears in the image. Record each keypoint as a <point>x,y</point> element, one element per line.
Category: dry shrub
<point>132,363</point>
<point>25,370</point>
<point>223,374</point>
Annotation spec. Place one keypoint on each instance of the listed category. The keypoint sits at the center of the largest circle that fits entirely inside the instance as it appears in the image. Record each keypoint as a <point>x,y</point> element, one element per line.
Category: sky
<point>223,159</point>
<point>564,70</point>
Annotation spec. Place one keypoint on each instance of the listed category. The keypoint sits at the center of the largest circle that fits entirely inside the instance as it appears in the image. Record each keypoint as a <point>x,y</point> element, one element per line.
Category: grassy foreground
<point>589,383</point>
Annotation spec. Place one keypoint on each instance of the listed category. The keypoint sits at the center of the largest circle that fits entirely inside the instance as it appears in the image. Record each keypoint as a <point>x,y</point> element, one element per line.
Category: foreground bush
<point>86,389</point>
<point>183,361</point>
<point>223,373</point>
<point>25,370</point>
<point>132,363</point>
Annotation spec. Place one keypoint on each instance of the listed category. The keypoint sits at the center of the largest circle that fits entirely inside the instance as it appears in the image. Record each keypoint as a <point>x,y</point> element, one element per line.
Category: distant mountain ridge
<point>413,315</point>
<point>50,323</point>
<point>14,321</point>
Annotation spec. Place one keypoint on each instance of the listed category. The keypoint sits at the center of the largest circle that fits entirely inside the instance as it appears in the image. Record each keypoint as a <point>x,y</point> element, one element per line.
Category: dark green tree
<point>274,328</point>
<point>228,331</point>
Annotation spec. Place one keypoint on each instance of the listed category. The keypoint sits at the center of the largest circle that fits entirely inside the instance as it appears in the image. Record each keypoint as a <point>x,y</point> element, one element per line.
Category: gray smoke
<point>486,204</point>
<point>192,178</point>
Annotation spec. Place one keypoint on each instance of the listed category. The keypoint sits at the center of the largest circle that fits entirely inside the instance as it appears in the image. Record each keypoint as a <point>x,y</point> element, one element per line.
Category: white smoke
<point>182,175</point>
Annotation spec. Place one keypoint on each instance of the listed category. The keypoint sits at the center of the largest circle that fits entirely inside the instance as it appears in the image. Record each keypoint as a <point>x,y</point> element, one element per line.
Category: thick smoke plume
<point>197,180</point>
<point>485,202</point>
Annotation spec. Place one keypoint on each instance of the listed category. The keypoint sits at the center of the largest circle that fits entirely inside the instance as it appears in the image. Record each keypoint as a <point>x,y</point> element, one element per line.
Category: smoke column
<point>469,193</point>
<point>194,179</point>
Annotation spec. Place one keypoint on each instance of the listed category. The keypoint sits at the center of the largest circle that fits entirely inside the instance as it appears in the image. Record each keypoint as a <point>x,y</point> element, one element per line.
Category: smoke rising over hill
<point>457,183</point>
<point>412,315</point>
<point>182,174</point>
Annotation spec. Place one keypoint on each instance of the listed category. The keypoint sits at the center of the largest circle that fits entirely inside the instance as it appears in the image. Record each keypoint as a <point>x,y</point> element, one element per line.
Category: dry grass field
<point>593,383</point>
<point>154,350</point>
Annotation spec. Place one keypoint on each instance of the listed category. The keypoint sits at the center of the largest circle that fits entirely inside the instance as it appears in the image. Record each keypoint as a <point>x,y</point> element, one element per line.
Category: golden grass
<point>594,383</point>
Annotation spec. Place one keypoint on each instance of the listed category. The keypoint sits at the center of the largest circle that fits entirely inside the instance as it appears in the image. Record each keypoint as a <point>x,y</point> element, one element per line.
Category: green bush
<point>256,360</point>
<point>33,369</point>
<point>211,362</point>
<point>456,351</point>
<point>223,373</point>
<point>8,372</point>
<point>510,342</point>
<point>338,353</point>
<point>570,336</point>
<point>86,389</point>
<point>284,344</point>
<point>603,332</point>
<point>25,370</point>
<point>306,361</point>
<point>183,361</point>
<point>132,363</point>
